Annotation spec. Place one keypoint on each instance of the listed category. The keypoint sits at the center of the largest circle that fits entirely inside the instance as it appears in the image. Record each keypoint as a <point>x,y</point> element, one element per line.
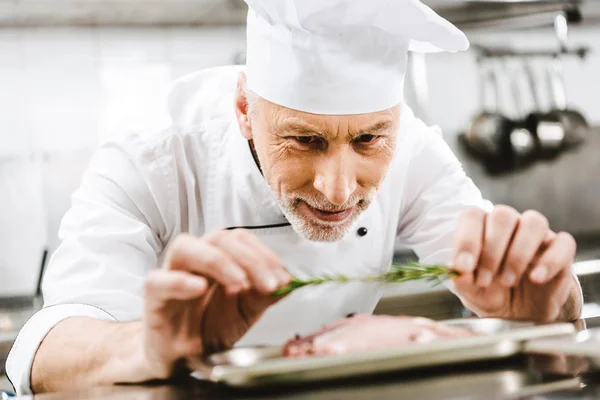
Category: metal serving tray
<point>258,366</point>
<point>584,344</point>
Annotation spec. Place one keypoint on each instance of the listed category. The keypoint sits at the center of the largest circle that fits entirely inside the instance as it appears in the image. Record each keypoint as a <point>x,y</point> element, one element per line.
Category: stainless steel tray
<point>257,366</point>
<point>584,344</point>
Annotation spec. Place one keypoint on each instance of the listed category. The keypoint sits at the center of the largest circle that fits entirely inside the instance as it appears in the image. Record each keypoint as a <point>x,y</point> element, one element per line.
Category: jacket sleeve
<point>111,237</point>
<point>437,191</point>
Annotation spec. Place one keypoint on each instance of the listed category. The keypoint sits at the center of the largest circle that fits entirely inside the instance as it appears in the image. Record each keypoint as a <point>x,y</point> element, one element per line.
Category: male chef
<point>306,162</point>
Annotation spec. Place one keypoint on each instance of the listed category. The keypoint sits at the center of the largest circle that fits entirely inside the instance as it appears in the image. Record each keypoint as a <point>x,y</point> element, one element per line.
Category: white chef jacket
<point>199,176</point>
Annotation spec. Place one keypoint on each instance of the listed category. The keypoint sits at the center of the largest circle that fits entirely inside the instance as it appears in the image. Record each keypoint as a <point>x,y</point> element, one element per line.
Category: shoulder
<point>423,144</point>
<point>203,97</point>
<point>422,155</point>
<point>200,109</point>
<point>424,163</point>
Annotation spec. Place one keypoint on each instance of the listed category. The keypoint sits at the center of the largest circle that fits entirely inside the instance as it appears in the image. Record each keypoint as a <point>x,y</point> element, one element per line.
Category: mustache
<point>323,204</point>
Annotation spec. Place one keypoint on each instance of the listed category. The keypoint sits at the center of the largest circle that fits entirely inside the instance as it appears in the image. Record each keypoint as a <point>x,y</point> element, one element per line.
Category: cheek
<point>286,171</point>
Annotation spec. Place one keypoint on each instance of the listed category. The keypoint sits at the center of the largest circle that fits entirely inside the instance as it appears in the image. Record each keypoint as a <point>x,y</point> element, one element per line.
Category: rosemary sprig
<point>397,274</point>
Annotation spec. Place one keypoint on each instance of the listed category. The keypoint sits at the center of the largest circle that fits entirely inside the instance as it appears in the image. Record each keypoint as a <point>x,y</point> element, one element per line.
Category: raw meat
<point>369,332</point>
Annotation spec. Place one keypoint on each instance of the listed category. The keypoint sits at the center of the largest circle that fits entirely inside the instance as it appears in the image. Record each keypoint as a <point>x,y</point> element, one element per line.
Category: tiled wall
<point>65,89</point>
<point>62,91</point>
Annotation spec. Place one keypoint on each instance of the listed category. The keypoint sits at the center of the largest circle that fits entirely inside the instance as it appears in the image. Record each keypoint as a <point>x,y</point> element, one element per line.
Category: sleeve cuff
<point>20,358</point>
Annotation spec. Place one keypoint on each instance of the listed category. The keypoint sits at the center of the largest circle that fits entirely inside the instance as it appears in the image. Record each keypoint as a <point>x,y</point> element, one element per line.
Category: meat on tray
<point>370,332</point>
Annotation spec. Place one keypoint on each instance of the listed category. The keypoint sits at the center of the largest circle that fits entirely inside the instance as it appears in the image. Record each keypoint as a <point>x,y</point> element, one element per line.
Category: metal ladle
<point>523,141</point>
<point>576,127</point>
<point>547,127</point>
<point>489,133</point>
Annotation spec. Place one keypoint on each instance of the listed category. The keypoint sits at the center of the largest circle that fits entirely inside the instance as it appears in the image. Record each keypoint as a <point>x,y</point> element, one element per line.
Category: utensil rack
<point>560,24</point>
<point>486,52</point>
<point>506,14</point>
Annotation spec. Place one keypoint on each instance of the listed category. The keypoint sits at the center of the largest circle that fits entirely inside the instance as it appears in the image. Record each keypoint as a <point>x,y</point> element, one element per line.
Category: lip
<point>325,216</point>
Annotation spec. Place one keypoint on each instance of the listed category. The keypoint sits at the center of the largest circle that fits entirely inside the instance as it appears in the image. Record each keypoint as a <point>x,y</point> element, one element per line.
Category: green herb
<point>398,273</point>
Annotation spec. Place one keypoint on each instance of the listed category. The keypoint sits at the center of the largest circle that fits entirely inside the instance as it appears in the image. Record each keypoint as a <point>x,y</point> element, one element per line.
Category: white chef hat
<point>340,56</point>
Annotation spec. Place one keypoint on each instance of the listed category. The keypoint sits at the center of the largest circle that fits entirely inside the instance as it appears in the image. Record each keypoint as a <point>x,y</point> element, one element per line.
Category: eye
<point>366,139</point>
<point>311,142</point>
<point>305,139</point>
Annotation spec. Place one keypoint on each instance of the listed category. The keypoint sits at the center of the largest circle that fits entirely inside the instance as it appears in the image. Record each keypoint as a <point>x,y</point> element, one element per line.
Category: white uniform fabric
<point>199,176</point>
<point>340,56</point>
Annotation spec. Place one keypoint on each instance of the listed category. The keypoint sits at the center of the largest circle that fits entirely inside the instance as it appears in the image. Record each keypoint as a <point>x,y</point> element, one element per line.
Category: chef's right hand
<point>208,293</point>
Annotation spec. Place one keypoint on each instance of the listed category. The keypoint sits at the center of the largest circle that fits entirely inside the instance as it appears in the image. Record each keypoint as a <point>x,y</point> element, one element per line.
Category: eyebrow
<point>303,129</point>
<point>372,130</point>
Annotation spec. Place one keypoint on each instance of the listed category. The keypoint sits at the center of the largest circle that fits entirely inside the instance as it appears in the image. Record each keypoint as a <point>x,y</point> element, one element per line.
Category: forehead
<point>282,117</point>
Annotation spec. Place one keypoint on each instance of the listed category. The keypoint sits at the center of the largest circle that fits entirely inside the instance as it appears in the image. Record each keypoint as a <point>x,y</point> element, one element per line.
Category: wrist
<point>144,366</point>
<point>150,364</point>
<point>135,364</point>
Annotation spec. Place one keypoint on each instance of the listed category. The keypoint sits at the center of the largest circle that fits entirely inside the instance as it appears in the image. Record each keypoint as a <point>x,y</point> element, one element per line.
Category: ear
<point>241,108</point>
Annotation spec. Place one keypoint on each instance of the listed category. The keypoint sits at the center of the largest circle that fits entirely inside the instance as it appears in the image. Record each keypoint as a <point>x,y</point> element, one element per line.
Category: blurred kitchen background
<point>74,73</point>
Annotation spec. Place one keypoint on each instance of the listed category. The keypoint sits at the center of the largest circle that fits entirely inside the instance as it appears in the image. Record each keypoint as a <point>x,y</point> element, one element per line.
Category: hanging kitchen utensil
<point>576,128</point>
<point>547,127</point>
<point>488,135</point>
<point>522,140</point>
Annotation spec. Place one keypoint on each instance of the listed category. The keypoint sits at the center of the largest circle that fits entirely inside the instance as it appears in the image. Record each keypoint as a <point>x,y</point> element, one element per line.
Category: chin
<point>323,235</point>
<point>316,232</point>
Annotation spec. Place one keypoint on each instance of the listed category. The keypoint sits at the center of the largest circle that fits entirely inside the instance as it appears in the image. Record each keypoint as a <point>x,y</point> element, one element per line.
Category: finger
<point>273,260</point>
<point>200,257</point>
<point>467,242</point>
<point>500,226</point>
<point>256,267</point>
<point>557,257</point>
<point>550,236</point>
<point>528,238</point>
<point>162,286</point>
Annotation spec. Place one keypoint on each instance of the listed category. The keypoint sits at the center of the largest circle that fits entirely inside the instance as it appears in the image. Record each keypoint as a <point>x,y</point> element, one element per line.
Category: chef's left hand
<point>514,267</point>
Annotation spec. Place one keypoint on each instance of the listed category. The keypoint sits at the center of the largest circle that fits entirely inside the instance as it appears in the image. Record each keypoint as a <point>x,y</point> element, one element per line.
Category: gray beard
<point>317,232</point>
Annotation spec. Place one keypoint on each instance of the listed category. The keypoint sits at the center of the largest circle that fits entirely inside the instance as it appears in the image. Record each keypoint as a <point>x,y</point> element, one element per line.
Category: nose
<point>335,177</point>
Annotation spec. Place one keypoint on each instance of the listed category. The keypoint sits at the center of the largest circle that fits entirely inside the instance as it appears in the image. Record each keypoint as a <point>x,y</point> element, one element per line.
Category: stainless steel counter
<point>6,341</point>
<point>522,377</point>
<point>11,321</point>
<point>406,299</point>
<point>484,382</point>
